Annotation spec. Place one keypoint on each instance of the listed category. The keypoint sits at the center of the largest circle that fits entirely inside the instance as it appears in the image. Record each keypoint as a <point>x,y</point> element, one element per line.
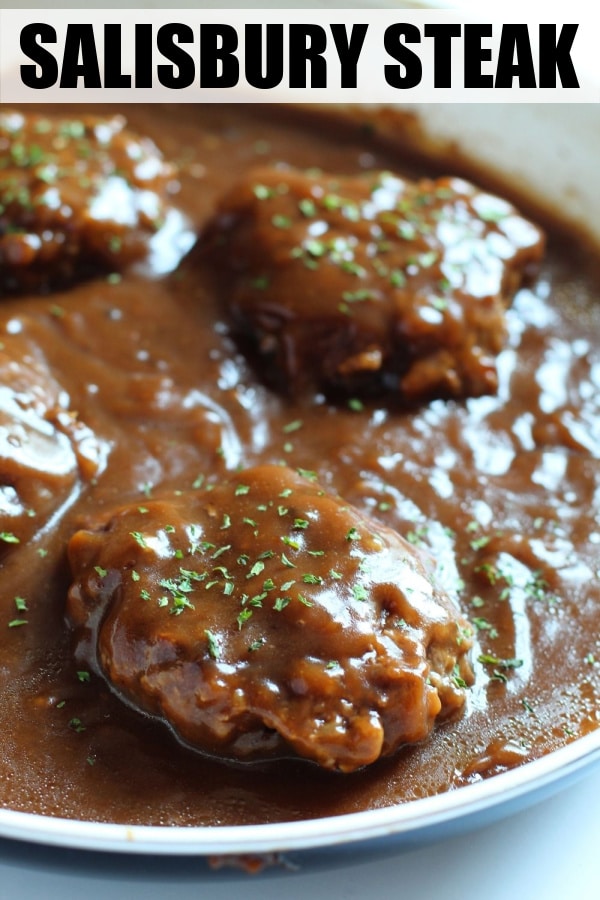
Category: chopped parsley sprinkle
<point>457,678</point>
<point>537,587</point>
<point>355,404</point>
<point>280,221</point>
<point>360,592</point>
<point>417,535</point>
<point>139,539</point>
<point>309,578</point>
<point>397,278</point>
<point>262,192</point>
<point>289,427</point>
<point>307,207</point>
<point>308,474</point>
<point>256,569</point>
<point>256,645</point>
<point>21,607</point>
<point>213,645</point>
<point>488,660</point>
<point>220,550</point>
<point>482,624</point>
<point>243,617</point>
<point>407,230</point>
<point>77,725</point>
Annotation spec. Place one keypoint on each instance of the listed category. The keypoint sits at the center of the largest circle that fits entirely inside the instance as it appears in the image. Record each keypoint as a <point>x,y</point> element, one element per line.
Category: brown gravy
<point>504,490</point>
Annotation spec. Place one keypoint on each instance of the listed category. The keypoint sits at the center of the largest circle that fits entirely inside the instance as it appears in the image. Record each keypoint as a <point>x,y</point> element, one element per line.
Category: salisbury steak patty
<point>77,196</point>
<point>46,452</point>
<point>261,615</point>
<point>371,282</point>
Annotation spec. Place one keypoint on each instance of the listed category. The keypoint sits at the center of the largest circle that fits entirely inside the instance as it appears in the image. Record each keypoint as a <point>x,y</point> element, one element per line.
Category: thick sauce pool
<point>503,490</point>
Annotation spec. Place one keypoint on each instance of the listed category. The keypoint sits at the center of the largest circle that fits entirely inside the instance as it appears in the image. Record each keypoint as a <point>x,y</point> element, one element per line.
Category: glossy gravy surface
<point>503,490</point>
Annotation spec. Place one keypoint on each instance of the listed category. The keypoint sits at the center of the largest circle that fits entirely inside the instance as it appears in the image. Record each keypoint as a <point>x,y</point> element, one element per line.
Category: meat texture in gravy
<point>140,368</point>
<point>77,196</point>
<point>371,282</point>
<point>275,618</point>
<point>46,451</point>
